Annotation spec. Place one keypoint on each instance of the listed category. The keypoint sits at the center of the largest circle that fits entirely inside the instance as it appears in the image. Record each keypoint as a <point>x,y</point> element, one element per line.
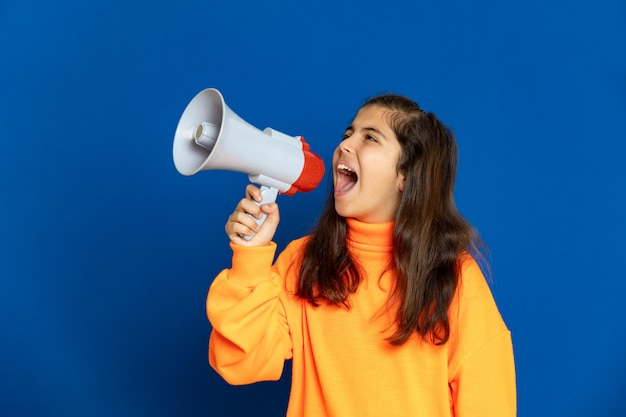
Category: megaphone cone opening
<point>198,131</point>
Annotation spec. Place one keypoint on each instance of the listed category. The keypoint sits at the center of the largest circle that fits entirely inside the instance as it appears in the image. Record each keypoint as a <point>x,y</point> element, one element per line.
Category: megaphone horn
<point>210,136</point>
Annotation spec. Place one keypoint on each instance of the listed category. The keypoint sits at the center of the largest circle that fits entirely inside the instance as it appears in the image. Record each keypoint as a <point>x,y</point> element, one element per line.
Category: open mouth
<point>346,178</point>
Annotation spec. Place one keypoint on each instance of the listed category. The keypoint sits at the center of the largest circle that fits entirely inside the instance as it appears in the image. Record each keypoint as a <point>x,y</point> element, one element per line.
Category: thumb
<point>266,232</point>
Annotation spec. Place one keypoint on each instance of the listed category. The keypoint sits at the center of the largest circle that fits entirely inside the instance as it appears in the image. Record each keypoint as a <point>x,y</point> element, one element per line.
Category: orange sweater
<point>341,363</point>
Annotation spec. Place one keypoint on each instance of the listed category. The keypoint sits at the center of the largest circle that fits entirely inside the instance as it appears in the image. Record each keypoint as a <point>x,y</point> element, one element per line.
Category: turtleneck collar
<point>376,237</point>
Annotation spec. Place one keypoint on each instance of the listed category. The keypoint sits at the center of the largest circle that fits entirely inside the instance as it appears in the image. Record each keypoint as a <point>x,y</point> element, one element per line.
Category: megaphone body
<point>210,136</point>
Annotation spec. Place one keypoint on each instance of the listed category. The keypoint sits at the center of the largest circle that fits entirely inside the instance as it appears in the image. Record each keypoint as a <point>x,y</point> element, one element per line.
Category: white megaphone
<point>210,136</point>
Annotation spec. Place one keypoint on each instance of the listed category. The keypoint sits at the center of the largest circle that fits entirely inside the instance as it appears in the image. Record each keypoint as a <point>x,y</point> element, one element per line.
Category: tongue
<point>344,182</point>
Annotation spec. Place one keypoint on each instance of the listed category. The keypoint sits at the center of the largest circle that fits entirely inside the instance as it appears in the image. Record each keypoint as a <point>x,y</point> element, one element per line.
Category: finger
<point>273,214</point>
<point>254,193</point>
<point>241,220</point>
<point>266,231</point>
<point>241,223</point>
<point>246,219</point>
<point>250,208</point>
<point>236,231</point>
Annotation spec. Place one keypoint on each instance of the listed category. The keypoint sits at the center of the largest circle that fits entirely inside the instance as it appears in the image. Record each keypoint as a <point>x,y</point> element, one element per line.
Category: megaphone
<point>210,136</point>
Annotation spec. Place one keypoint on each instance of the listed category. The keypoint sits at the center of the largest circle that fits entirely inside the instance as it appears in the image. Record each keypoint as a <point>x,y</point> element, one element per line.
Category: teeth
<point>343,167</point>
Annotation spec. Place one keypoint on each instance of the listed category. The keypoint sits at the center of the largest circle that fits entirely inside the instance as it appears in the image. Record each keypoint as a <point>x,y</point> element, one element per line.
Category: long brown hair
<point>429,232</point>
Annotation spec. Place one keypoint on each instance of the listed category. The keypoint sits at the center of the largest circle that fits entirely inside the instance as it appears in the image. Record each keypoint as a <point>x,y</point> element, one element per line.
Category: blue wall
<point>107,252</point>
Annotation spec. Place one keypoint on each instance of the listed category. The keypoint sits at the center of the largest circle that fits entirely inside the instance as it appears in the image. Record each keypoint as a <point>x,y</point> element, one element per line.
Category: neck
<point>378,236</point>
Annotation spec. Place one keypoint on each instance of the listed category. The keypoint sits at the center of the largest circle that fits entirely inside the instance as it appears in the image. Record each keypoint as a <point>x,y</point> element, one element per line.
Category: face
<point>367,185</point>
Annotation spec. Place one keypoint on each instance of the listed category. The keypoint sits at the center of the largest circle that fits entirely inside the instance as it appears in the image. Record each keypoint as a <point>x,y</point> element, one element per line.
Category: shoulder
<point>480,346</point>
<point>294,249</point>
<point>474,307</point>
<point>471,279</point>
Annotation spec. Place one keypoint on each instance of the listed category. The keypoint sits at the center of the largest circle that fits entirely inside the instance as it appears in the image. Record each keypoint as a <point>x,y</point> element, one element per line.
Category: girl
<point>382,309</point>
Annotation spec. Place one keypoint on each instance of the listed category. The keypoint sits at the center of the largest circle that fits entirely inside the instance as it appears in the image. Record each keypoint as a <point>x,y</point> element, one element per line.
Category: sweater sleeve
<point>482,371</point>
<point>485,385</point>
<point>250,338</point>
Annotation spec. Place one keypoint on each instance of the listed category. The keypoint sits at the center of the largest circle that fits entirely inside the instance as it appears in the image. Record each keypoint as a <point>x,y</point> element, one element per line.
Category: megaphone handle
<point>269,196</point>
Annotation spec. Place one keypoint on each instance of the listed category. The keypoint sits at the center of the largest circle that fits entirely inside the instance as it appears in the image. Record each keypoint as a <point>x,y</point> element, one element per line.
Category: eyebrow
<point>368,129</point>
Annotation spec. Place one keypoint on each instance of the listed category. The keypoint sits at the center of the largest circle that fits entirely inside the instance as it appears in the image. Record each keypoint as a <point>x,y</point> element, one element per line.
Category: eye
<point>346,136</point>
<point>371,138</point>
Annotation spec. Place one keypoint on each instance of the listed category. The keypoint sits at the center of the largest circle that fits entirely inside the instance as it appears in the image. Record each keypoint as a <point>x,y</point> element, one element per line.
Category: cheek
<point>384,173</point>
<point>336,154</point>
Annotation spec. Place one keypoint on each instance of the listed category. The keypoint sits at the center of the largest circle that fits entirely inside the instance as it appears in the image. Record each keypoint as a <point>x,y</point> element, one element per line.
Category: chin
<point>342,211</point>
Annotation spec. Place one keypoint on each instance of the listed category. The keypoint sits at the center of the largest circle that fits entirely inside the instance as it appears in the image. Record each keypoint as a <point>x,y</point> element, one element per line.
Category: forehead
<point>372,116</point>
<point>372,113</point>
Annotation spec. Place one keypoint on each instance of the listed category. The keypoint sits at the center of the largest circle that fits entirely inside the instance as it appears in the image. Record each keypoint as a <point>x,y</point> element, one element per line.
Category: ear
<point>401,181</point>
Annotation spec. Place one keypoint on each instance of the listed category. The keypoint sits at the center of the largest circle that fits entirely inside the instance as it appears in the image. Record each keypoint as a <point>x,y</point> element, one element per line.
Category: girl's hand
<point>240,223</point>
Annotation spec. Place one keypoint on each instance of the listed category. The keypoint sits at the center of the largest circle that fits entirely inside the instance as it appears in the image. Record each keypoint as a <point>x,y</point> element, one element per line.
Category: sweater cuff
<point>252,264</point>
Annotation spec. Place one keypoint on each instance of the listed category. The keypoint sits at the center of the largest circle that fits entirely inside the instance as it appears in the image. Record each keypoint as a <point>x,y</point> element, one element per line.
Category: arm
<point>482,370</point>
<point>250,339</point>
<point>485,384</point>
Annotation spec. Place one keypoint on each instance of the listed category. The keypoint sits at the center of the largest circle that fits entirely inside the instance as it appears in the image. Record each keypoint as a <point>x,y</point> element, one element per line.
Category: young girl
<point>382,309</point>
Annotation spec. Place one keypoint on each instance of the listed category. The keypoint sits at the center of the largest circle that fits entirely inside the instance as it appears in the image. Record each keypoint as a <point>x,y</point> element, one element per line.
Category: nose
<point>346,146</point>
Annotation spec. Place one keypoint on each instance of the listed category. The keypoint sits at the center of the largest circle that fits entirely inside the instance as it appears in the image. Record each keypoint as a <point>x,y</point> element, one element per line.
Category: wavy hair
<point>429,232</point>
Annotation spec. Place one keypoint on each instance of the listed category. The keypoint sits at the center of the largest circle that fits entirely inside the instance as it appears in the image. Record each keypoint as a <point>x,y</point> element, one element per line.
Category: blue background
<point>106,251</point>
